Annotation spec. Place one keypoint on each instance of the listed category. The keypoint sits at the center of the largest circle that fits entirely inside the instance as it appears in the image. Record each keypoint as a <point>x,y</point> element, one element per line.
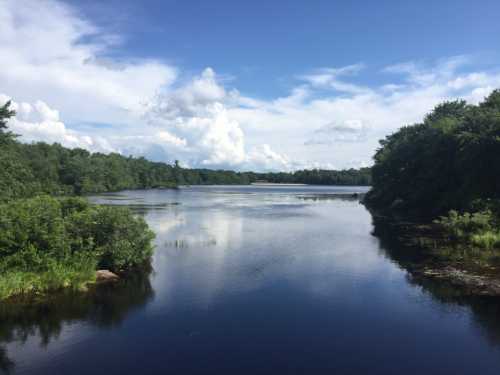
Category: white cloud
<point>346,131</point>
<point>267,159</point>
<point>356,119</point>
<point>48,51</point>
<point>39,122</point>
<point>196,115</point>
<point>328,78</point>
<point>51,57</point>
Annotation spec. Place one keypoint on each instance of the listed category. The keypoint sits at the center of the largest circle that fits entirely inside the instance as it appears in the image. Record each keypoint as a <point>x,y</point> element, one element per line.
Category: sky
<point>244,85</point>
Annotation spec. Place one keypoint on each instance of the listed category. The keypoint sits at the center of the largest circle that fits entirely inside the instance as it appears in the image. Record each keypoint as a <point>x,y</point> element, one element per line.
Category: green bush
<point>462,225</point>
<point>48,243</point>
<point>479,228</point>
<point>487,240</point>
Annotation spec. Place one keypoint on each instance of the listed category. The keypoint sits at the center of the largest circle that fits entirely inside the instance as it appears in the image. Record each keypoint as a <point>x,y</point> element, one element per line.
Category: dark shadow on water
<point>106,306</point>
<point>394,245</point>
<point>6,365</point>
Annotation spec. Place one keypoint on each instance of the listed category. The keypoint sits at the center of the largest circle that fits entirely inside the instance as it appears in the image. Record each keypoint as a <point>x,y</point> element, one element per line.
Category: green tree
<point>450,161</point>
<point>5,114</point>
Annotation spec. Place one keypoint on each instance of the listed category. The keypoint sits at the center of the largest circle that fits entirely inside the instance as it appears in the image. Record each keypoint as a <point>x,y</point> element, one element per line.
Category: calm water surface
<point>253,280</point>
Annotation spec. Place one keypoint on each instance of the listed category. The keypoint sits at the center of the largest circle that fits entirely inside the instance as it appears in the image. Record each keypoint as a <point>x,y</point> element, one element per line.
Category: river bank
<point>426,253</point>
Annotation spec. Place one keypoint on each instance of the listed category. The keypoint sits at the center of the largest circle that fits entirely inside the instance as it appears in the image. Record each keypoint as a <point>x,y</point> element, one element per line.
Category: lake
<point>257,280</point>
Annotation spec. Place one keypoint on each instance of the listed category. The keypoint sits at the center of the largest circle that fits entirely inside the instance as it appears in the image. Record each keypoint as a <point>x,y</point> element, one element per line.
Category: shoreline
<point>425,254</point>
<point>469,283</point>
<point>275,184</point>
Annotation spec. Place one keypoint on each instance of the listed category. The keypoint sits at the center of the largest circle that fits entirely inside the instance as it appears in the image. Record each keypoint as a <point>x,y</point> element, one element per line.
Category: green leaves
<point>447,162</point>
<point>48,243</point>
<point>5,114</point>
<point>479,229</point>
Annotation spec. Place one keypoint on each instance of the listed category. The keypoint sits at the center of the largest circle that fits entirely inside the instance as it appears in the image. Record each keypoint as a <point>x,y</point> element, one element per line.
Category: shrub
<point>48,243</point>
<point>487,240</point>
<point>479,228</point>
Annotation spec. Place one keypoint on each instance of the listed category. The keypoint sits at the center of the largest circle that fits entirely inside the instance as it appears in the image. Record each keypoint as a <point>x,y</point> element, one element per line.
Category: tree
<point>5,114</point>
<point>450,161</point>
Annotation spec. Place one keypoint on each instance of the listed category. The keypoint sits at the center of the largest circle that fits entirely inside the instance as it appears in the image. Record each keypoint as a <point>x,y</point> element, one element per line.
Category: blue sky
<point>261,44</point>
<point>264,43</point>
<point>241,84</point>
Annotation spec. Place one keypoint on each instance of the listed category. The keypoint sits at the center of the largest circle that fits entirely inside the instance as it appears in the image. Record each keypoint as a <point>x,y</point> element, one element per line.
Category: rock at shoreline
<point>474,284</point>
<point>105,276</point>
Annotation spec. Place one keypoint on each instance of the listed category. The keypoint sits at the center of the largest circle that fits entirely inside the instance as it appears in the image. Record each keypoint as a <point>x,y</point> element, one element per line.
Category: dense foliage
<point>447,166</point>
<point>450,161</point>
<point>26,169</point>
<point>48,243</point>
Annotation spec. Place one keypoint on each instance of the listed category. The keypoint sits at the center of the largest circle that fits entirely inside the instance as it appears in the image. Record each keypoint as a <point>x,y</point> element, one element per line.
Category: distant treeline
<point>360,176</point>
<point>314,177</point>
<point>30,169</point>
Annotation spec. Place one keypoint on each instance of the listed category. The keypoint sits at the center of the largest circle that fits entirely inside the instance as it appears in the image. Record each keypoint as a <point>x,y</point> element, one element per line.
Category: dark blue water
<point>258,280</point>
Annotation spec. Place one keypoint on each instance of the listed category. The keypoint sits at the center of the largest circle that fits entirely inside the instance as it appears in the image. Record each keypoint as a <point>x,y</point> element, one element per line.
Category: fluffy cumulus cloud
<point>196,118</point>
<point>53,58</point>
<point>38,122</point>
<point>195,121</point>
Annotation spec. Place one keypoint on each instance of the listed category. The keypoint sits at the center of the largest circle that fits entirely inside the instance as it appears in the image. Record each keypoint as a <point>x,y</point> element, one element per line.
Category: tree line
<point>29,169</point>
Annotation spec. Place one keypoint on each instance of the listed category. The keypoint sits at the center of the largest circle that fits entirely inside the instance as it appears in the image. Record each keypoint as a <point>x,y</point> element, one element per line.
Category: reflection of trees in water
<point>395,245</point>
<point>105,306</point>
<point>6,365</point>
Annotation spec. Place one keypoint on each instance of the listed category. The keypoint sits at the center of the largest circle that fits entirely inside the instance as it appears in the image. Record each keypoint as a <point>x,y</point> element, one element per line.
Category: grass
<point>479,229</point>
<point>486,240</point>
<point>74,274</point>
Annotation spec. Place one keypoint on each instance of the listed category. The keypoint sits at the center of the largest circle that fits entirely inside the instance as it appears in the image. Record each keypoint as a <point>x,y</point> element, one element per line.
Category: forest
<point>445,169</point>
